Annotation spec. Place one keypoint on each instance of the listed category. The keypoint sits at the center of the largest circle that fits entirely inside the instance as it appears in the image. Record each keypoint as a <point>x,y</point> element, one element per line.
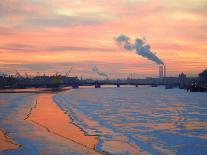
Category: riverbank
<point>33,90</point>
<point>48,115</point>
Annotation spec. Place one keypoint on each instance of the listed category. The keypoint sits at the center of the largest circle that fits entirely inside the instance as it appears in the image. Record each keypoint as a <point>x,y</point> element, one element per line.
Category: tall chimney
<point>161,71</point>
<point>164,71</point>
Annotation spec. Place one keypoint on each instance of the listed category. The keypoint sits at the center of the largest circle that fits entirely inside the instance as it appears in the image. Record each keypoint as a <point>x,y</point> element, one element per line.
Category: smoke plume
<point>140,46</point>
<point>96,70</point>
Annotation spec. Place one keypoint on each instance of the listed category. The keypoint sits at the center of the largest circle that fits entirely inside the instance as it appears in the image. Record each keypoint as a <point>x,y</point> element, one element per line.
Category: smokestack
<point>162,71</point>
<point>143,49</point>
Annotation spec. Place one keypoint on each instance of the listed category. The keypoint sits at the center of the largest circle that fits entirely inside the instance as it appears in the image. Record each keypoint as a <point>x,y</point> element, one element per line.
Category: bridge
<point>98,84</point>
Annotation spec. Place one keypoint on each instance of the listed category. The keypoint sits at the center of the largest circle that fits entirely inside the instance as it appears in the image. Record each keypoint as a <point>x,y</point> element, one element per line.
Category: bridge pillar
<point>75,86</point>
<point>136,85</point>
<point>118,85</point>
<point>97,85</point>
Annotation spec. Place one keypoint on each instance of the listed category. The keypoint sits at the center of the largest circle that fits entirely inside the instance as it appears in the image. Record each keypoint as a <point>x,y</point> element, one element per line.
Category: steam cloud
<point>96,70</point>
<point>140,46</point>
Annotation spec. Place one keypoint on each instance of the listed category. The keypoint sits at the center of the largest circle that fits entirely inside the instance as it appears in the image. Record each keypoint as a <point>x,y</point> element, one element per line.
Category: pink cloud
<point>84,31</point>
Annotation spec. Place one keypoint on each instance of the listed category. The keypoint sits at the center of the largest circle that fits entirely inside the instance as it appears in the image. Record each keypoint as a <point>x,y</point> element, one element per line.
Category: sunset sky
<point>53,35</point>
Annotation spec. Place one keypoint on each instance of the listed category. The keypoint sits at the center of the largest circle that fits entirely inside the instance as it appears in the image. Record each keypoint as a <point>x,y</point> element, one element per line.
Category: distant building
<point>203,76</point>
<point>182,79</point>
<point>171,80</point>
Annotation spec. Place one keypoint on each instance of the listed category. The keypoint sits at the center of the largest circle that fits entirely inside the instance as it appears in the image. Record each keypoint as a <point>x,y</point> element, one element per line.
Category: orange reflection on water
<point>195,125</point>
<point>47,114</point>
<point>6,143</point>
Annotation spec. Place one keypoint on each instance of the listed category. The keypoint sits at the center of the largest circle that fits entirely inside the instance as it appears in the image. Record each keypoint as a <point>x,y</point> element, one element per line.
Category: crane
<point>18,75</point>
<point>67,73</point>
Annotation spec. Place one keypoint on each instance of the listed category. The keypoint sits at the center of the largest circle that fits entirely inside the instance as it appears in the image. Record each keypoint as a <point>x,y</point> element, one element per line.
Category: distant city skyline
<point>52,35</point>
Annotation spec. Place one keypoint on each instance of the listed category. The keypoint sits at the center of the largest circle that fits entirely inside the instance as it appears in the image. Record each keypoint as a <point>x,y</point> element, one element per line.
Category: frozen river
<point>144,120</point>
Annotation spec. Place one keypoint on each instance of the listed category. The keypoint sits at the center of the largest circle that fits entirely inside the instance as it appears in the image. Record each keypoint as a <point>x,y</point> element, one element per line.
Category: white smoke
<point>140,46</point>
<point>96,70</point>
